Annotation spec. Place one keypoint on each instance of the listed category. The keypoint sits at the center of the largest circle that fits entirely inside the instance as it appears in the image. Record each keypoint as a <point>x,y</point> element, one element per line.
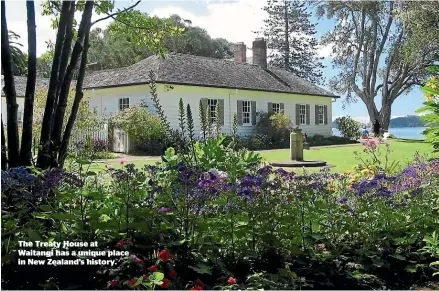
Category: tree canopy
<point>67,59</point>
<point>290,36</point>
<point>120,45</point>
<point>377,50</point>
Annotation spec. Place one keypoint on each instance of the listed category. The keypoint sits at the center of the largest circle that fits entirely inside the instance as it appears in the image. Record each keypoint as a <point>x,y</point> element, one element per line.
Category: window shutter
<point>297,114</point>
<point>239,112</point>
<point>282,108</point>
<point>270,107</point>
<point>317,115</point>
<point>325,108</point>
<point>253,112</point>
<point>308,111</point>
<point>221,110</point>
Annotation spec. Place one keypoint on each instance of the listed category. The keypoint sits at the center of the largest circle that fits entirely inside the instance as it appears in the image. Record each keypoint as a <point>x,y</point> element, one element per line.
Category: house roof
<point>206,72</point>
<point>20,84</point>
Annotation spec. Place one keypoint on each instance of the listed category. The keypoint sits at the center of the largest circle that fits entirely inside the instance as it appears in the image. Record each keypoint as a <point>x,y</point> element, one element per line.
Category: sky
<point>234,20</point>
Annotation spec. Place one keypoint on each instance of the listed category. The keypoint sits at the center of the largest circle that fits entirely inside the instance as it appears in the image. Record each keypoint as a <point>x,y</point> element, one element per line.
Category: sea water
<point>400,132</point>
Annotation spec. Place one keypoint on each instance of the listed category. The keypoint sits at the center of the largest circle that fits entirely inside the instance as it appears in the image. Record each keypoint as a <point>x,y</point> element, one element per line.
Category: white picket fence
<point>93,133</point>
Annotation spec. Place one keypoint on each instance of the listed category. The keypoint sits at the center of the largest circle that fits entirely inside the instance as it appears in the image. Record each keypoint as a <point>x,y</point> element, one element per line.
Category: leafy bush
<point>145,130</point>
<point>431,107</point>
<point>320,140</point>
<point>276,126</point>
<point>349,128</point>
<point>225,215</point>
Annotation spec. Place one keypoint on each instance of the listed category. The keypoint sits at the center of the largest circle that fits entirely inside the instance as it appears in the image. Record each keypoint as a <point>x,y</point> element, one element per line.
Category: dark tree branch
<point>9,90</point>
<point>76,102</point>
<point>4,159</point>
<point>116,13</point>
<point>67,47</point>
<point>65,88</point>
<point>26,136</point>
<point>46,128</point>
<point>380,49</point>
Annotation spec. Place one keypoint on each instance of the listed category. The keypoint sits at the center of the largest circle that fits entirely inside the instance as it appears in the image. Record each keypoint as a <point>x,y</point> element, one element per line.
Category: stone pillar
<point>296,145</point>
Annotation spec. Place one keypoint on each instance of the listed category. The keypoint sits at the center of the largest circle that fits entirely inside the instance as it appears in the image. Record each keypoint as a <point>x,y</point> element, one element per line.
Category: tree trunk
<point>4,161</point>
<point>67,47</point>
<point>65,87</point>
<point>44,154</point>
<point>9,90</point>
<point>26,137</point>
<point>78,97</point>
<point>385,115</point>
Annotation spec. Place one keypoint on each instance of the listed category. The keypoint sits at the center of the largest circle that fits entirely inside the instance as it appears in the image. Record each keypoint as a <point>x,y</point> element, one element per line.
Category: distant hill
<point>406,121</point>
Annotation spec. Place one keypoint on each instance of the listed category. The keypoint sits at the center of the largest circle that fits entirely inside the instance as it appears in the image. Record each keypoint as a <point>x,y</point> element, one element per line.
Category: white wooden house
<point>234,85</point>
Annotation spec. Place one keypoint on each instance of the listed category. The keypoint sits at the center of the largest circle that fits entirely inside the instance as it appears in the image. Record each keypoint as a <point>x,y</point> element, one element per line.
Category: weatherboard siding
<point>20,102</point>
<point>106,101</point>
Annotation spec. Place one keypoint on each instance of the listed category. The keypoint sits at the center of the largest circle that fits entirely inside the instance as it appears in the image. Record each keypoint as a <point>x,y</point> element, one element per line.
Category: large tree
<point>290,36</point>
<point>377,49</point>
<point>69,56</point>
<point>121,46</point>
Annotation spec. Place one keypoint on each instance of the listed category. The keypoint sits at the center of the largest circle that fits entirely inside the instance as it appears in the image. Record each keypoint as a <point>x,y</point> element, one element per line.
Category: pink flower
<point>113,283</point>
<point>108,167</point>
<point>122,162</point>
<point>231,280</point>
<point>120,244</point>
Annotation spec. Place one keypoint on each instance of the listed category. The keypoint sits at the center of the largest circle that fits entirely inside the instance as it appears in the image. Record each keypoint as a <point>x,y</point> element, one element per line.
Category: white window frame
<point>124,103</point>
<point>212,103</point>
<point>276,108</point>
<point>246,114</point>
<point>321,114</point>
<point>302,114</point>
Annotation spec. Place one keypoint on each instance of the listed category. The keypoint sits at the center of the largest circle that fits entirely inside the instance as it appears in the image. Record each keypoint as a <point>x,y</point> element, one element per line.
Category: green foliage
<point>19,58</point>
<point>190,124</point>
<point>143,128</point>
<point>204,120</point>
<point>430,110</point>
<point>276,126</point>
<point>291,38</point>
<point>349,128</point>
<point>144,30</point>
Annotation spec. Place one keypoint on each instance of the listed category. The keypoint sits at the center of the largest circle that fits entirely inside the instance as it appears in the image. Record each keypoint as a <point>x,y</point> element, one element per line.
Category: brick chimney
<point>240,52</point>
<point>260,52</point>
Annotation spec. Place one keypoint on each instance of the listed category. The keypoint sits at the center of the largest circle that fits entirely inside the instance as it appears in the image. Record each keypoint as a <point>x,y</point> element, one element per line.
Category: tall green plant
<point>157,105</point>
<point>203,120</point>
<point>217,120</point>
<point>190,123</point>
<point>430,110</point>
<point>181,117</point>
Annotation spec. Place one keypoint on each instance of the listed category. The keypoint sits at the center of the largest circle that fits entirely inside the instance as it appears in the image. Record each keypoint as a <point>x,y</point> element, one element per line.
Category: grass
<point>342,157</point>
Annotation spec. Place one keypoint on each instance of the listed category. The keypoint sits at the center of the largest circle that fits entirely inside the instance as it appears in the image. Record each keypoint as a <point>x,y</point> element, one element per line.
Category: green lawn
<point>342,157</point>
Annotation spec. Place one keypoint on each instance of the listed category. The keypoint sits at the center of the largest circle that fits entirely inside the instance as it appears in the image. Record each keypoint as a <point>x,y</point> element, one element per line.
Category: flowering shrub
<point>207,225</point>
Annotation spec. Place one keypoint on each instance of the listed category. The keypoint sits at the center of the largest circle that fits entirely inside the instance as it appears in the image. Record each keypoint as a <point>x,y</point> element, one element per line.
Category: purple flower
<point>165,210</point>
<point>343,200</point>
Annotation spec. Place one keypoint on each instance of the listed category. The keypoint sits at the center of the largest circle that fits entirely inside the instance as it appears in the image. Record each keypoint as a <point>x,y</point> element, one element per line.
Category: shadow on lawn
<point>409,140</point>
